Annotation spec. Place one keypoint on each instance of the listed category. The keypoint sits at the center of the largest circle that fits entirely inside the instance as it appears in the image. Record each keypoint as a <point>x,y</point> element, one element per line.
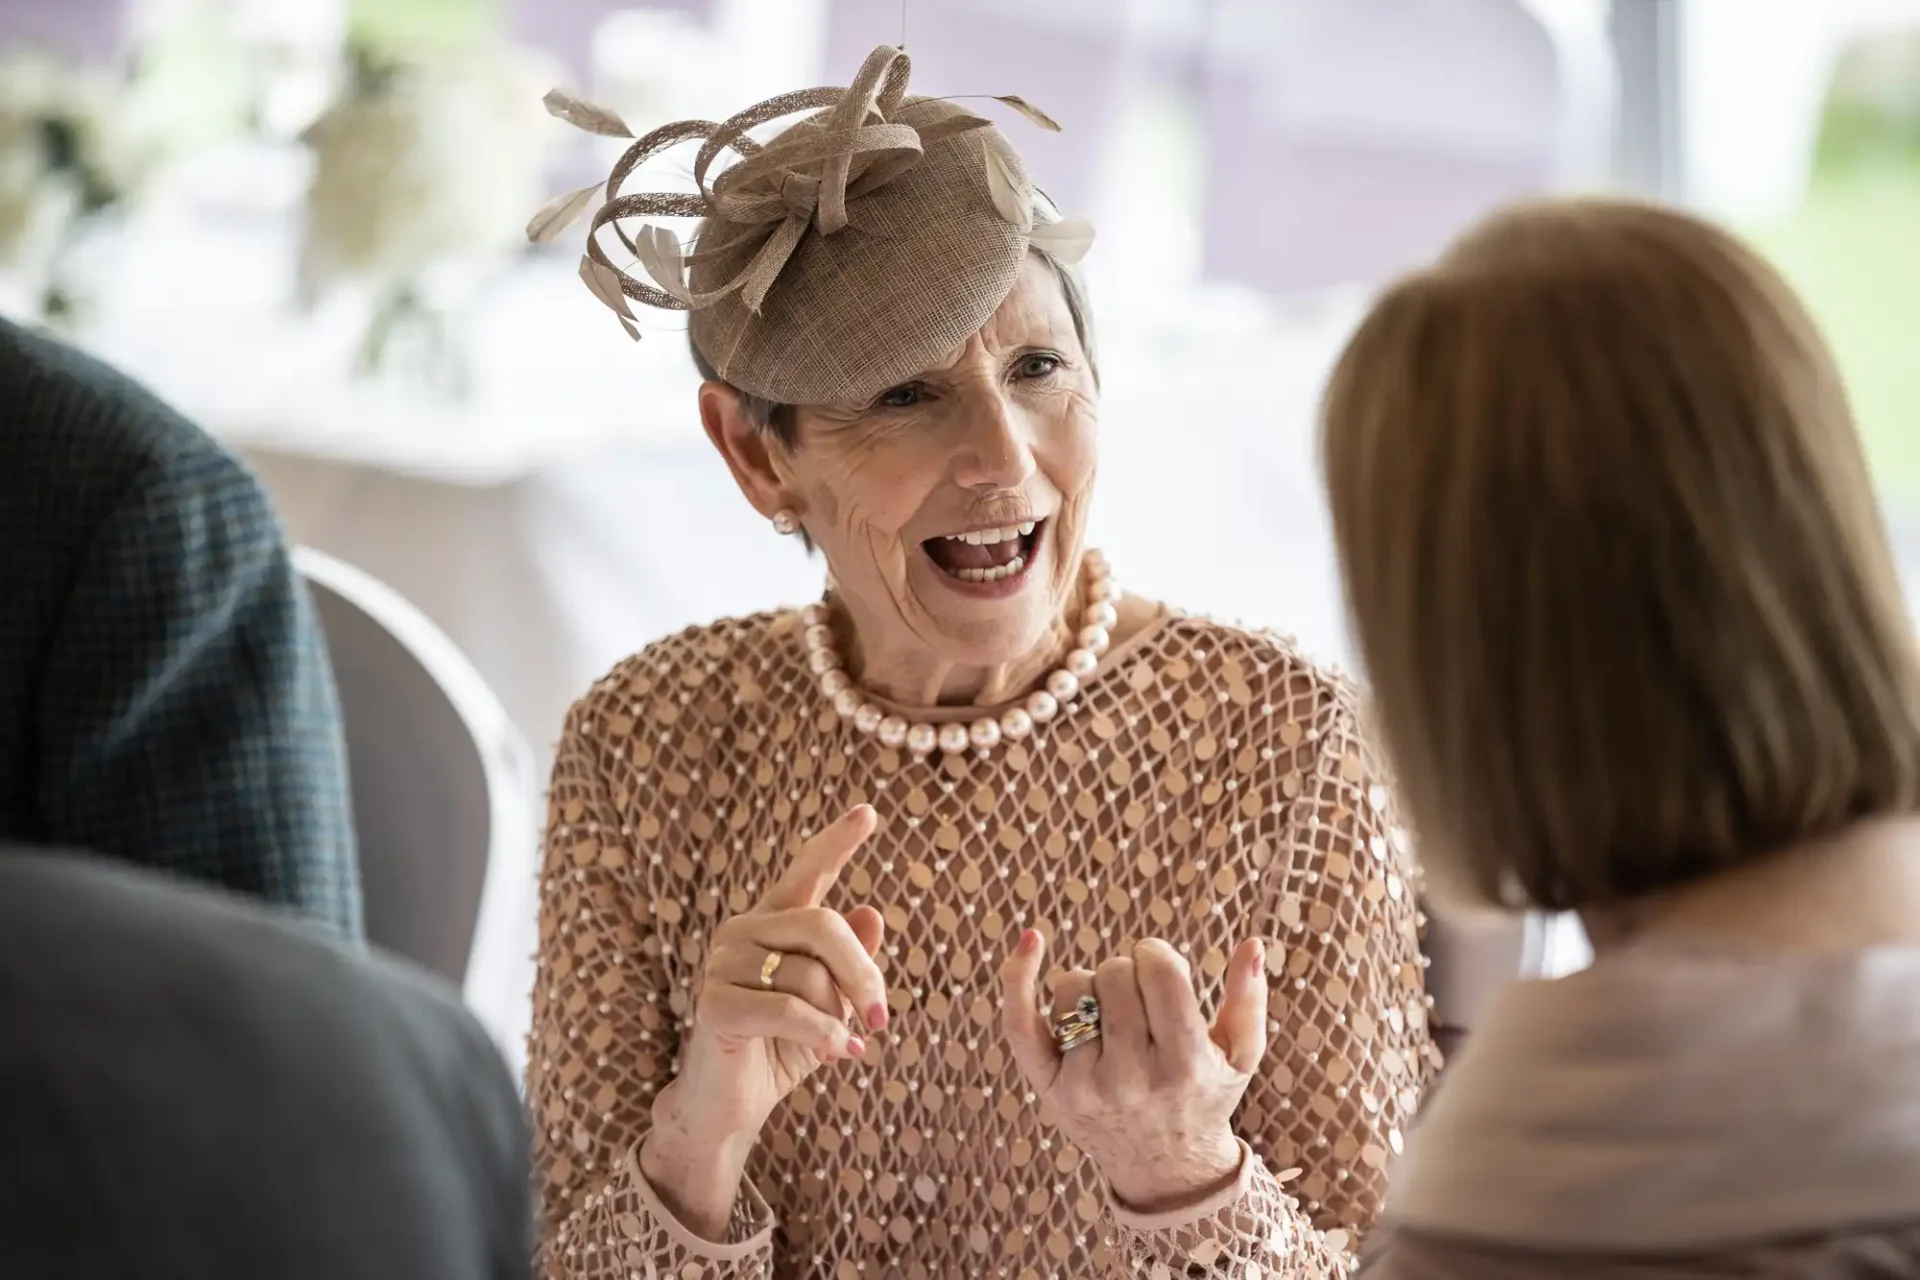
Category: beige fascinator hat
<point>856,248</point>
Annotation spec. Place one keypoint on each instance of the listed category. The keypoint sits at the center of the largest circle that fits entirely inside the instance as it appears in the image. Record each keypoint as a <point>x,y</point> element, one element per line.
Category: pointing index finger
<point>814,869</point>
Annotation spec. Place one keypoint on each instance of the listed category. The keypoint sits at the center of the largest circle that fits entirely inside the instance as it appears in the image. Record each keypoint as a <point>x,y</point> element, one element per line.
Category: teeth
<point>1006,570</point>
<point>987,537</point>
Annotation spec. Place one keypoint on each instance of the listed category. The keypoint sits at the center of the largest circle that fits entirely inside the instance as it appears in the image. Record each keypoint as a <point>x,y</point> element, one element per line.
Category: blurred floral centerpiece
<point>423,171</point>
<point>65,159</point>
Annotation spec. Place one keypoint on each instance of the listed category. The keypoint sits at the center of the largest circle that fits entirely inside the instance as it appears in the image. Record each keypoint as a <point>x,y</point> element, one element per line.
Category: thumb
<point>1240,1028</point>
<point>868,926</point>
<point>1028,1035</point>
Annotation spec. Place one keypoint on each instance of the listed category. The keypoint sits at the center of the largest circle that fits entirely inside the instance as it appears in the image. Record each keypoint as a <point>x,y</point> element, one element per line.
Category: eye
<point>901,397</point>
<point>1039,366</point>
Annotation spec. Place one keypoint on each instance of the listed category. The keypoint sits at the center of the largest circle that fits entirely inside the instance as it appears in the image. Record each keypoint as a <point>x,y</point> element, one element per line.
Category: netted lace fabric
<point>1208,784</point>
<point>1254,1230</point>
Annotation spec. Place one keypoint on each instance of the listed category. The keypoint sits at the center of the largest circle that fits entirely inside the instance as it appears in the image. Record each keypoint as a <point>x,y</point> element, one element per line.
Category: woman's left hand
<point>1151,1099</point>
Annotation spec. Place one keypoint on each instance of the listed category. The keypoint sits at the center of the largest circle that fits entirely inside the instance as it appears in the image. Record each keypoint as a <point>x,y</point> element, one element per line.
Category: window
<point>1853,245</point>
<point>1802,129</point>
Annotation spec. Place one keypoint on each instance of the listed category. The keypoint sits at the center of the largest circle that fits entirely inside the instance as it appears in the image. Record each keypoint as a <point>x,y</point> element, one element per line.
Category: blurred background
<point>301,221</point>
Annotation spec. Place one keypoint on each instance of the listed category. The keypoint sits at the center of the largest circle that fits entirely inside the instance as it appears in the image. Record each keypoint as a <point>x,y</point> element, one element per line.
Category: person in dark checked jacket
<point>165,694</point>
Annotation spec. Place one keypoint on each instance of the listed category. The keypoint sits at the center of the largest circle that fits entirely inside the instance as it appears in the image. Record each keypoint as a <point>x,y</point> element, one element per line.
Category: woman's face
<point>952,508</point>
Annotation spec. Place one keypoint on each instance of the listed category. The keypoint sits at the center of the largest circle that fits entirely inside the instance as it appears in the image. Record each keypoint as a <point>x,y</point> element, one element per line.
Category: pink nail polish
<point>876,1016</point>
<point>856,1046</point>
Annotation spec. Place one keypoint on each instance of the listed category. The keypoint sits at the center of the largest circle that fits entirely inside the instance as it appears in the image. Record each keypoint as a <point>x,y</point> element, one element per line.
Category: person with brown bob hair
<point>1639,651</point>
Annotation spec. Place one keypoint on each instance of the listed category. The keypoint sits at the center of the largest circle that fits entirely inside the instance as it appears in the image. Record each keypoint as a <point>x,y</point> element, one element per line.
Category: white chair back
<point>442,798</point>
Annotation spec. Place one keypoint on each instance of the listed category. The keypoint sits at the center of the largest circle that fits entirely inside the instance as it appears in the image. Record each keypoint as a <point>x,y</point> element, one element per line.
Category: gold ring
<point>1080,1036</point>
<point>769,967</point>
<point>1079,1025</point>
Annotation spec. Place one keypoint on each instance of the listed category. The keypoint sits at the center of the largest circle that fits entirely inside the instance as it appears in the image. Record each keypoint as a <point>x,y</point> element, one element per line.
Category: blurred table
<point>204,312</point>
<point>569,509</point>
<point>547,577</point>
<point>458,504</point>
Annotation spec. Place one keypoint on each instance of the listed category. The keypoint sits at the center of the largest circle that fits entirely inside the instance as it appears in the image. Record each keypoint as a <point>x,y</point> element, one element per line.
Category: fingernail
<point>876,1016</point>
<point>1259,956</point>
<point>856,1046</point>
<point>1029,939</point>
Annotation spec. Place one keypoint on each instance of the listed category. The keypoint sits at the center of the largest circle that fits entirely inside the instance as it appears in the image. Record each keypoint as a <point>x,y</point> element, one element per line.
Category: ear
<point>751,453</point>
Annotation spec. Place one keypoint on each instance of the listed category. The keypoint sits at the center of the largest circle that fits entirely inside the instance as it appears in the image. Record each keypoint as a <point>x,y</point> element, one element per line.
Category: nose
<point>997,449</point>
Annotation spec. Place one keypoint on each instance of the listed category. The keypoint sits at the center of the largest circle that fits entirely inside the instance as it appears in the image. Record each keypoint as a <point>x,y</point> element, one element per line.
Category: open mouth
<point>987,555</point>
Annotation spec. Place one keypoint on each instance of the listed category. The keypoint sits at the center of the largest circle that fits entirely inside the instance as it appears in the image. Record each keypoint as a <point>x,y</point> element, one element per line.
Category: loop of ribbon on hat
<point>773,193</point>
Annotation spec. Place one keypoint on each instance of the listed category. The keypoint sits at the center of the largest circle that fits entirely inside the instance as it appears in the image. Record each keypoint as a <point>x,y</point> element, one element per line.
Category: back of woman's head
<point>1614,562</point>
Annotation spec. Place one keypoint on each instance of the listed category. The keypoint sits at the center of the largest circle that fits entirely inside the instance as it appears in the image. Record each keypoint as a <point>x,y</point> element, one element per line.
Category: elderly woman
<point>1640,652</point>
<point>807,872</point>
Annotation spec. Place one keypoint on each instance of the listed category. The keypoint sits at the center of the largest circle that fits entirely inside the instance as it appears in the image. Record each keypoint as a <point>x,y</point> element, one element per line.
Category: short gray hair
<point>780,420</point>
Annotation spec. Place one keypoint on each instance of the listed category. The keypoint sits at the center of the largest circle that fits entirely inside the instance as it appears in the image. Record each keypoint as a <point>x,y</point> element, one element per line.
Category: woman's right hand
<point>751,1044</point>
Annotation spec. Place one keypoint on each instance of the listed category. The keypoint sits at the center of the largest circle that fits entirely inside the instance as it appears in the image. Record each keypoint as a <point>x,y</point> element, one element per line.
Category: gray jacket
<point>193,1087</point>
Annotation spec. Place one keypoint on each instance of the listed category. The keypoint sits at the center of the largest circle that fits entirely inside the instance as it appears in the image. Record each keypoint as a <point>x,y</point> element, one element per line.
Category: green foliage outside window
<point>403,26</point>
<point>1853,249</point>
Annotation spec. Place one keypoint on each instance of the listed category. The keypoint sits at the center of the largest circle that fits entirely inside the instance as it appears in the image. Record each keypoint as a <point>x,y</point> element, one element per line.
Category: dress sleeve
<point>605,1034</point>
<point>1352,1052</point>
<point>1254,1227</point>
<point>1349,1052</point>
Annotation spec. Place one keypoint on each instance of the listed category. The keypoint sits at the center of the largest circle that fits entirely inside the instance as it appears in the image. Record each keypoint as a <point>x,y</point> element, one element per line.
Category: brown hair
<point>1614,561</point>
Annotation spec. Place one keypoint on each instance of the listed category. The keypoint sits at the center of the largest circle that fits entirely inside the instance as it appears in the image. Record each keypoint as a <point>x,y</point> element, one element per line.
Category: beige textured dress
<point>1207,784</point>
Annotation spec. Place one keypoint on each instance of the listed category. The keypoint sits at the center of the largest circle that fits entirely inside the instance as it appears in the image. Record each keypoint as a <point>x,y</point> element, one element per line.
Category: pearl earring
<point>785,522</point>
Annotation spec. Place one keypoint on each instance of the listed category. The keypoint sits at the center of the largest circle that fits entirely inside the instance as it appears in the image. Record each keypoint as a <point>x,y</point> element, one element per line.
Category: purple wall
<point>1075,72</point>
<point>86,30</point>
<point>1294,215</point>
<point>565,28</point>
<point>1461,114</point>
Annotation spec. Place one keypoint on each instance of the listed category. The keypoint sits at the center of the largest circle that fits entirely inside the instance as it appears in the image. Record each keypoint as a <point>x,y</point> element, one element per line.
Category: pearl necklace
<point>1011,725</point>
